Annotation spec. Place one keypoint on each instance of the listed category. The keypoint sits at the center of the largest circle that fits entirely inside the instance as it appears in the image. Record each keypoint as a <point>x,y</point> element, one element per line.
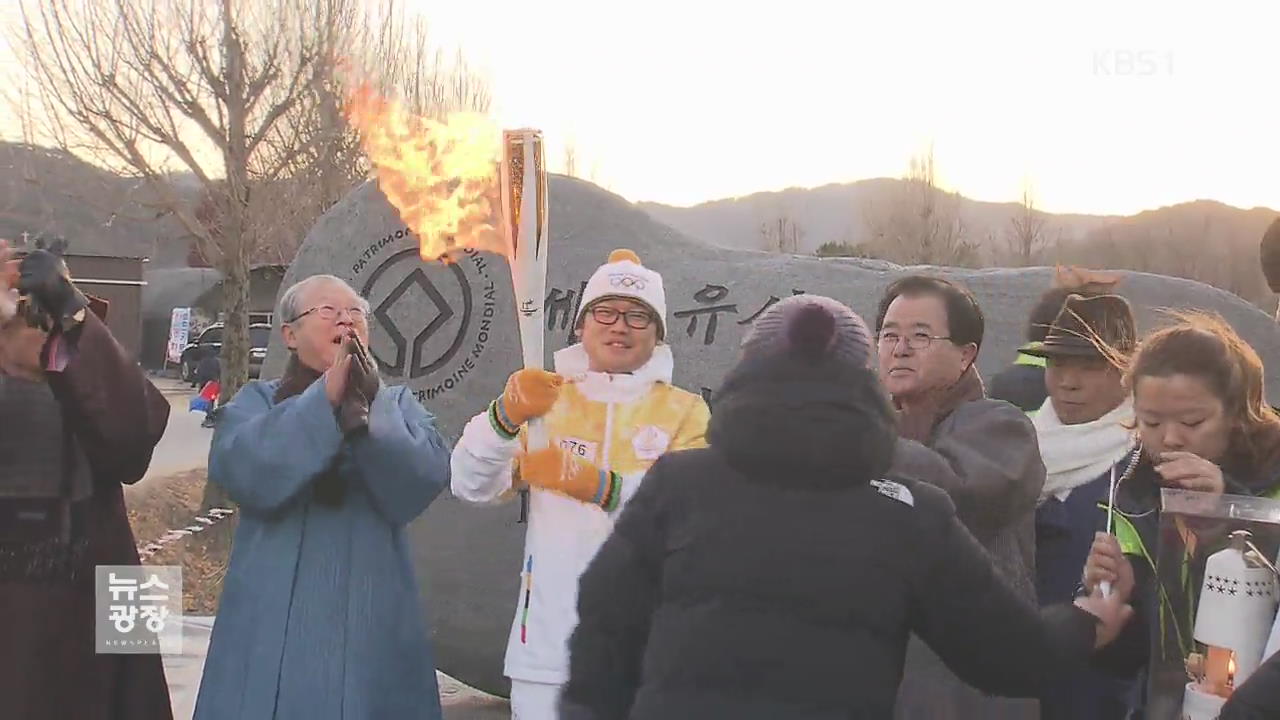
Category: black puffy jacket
<point>774,574</point>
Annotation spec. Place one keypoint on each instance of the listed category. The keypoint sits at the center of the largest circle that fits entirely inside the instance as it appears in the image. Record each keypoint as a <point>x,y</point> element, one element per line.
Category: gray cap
<point>812,328</point>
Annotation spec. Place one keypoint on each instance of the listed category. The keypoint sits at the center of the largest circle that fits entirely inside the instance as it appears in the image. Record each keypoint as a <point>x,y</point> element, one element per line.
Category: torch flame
<point>440,175</point>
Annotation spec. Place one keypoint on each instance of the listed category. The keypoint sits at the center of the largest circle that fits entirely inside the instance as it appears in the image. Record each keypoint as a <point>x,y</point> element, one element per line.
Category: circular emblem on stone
<point>430,321</point>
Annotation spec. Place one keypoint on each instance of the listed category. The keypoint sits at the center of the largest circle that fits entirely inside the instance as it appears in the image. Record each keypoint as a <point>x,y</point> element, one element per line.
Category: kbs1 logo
<point>1120,62</point>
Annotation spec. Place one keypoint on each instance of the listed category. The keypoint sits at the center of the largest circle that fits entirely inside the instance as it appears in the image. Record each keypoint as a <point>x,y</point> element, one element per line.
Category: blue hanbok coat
<point>320,615</point>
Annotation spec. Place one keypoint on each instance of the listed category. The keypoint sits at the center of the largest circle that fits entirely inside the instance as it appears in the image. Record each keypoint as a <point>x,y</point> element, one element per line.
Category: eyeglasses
<point>915,341</point>
<point>635,319</point>
<point>329,312</point>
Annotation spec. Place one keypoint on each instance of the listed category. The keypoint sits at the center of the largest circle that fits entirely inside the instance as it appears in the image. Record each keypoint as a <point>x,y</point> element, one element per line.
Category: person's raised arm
<point>988,455</point>
<point>403,461</point>
<point>117,414</point>
<point>482,461</point>
<point>987,635</point>
<point>264,456</point>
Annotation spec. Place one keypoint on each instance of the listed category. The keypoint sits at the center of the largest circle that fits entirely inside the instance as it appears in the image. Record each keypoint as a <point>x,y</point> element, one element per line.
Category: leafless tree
<point>229,111</point>
<point>781,235</point>
<point>1190,245</point>
<point>598,177</point>
<point>570,160</point>
<point>150,87</point>
<point>240,98</point>
<point>920,223</point>
<point>1025,235</point>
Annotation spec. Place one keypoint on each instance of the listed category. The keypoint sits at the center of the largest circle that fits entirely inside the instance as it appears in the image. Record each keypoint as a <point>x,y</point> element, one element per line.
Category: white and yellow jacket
<point>620,423</point>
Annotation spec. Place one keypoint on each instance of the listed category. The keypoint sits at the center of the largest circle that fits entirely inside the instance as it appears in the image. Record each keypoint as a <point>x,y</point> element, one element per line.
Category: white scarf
<point>1076,454</point>
<point>572,362</point>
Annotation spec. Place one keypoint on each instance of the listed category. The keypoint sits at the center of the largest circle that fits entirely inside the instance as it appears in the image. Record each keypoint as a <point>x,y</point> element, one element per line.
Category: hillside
<point>837,213</point>
<point>47,193</point>
<point>44,192</point>
<point>1201,240</point>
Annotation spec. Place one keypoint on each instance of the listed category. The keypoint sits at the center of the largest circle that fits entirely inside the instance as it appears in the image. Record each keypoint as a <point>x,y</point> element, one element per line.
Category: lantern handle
<point>1254,555</point>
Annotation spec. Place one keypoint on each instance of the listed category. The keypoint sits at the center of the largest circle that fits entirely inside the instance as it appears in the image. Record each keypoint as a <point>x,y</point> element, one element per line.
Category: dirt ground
<point>173,502</point>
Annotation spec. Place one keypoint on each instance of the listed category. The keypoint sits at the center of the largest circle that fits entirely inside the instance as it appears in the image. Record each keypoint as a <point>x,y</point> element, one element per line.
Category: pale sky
<point>1106,107</point>
<point>692,100</point>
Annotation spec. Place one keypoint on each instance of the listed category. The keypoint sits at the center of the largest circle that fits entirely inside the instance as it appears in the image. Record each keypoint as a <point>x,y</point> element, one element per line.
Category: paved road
<point>185,445</point>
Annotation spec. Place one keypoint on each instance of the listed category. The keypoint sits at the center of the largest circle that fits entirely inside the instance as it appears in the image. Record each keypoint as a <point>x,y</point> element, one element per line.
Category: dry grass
<point>171,503</point>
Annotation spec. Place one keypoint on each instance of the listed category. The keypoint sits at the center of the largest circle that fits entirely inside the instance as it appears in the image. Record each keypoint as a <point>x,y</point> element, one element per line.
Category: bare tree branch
<point>570,160</point>
<point>1025,235</point>
<point>781,235</point>
<point>243,96</point>
<point>919,223</point>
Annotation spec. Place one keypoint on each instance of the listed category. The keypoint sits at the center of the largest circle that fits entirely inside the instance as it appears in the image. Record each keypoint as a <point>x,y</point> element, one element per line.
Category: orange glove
<point>529,394</point>
<point>552,468</point>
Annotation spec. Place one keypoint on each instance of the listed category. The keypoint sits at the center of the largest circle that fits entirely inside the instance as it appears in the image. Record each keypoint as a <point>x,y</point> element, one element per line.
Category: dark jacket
<point>985,455</point>
<point>1021,384</point>
<point>48,667</point>
<point>774,575</point>
<point>1064,534</point>
<point>209,369</point>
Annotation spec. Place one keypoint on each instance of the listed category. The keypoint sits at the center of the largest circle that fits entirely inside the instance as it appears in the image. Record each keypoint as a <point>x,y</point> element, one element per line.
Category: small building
<point>119,281</point>
<point>201,290</point>
<point>264,287</point>
<point>116,278</point>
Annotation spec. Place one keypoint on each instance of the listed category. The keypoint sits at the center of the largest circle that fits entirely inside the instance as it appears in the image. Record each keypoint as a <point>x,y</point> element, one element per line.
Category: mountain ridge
<point>839,213</point>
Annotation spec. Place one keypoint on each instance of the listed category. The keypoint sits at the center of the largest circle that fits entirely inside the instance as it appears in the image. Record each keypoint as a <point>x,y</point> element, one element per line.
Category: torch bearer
<point>524,213</point>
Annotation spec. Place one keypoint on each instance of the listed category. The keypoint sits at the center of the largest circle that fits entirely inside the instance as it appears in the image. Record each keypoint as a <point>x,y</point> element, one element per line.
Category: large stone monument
<point>449,332</point>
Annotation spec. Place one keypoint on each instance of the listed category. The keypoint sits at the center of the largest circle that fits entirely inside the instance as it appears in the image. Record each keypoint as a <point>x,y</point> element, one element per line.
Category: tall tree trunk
<point>235,334</point>
<point>235,238</point>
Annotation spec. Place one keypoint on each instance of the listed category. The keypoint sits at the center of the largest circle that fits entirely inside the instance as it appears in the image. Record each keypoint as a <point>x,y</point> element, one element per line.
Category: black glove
<point>364,377</point>
<point>362,386</point>
<point>43,276</point>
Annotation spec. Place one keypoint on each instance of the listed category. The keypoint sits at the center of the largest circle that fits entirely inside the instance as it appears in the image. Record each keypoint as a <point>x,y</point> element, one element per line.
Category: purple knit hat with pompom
<point>812,328</point>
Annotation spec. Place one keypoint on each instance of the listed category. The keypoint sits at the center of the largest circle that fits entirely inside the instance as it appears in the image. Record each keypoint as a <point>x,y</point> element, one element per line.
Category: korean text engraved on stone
<point>138,609</point>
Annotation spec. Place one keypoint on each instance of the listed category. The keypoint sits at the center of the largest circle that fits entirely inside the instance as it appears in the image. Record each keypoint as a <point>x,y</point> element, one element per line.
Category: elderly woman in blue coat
<point>320,616</point>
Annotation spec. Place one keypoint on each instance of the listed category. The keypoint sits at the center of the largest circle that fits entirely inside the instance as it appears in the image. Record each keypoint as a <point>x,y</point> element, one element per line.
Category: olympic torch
<point>524,213</point>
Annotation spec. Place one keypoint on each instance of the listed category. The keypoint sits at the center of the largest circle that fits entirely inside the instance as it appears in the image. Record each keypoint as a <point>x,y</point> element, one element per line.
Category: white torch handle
<point>531,345</point>
<point>1105,585</point>
<point>529,270</point>
<point>537,433</point>
<point>532,336</point>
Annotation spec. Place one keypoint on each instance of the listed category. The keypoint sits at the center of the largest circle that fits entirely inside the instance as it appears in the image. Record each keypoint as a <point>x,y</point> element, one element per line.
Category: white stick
<point>1105,585</point>
<point>524,209</point>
